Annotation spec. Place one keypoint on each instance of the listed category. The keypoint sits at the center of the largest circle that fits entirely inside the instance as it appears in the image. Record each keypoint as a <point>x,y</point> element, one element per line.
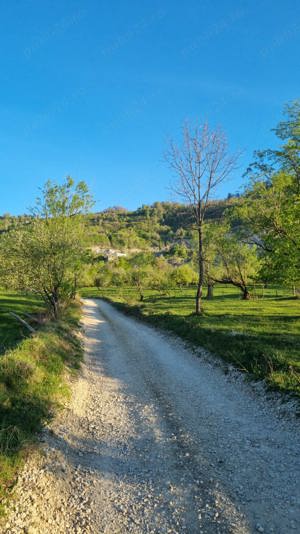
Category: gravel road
<point>158,440</point>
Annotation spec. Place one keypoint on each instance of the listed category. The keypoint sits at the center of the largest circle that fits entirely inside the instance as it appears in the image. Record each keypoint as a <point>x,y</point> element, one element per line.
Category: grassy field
<point>11,331</point>
<point>32,378</point>
<point>260,336</point>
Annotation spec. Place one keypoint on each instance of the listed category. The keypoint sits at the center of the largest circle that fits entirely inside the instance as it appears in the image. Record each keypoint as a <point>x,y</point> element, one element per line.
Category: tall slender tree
<point>201,163</point>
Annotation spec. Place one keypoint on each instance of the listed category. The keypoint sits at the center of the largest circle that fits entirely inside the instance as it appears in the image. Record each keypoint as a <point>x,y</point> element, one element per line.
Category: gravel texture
<point>158,440</point>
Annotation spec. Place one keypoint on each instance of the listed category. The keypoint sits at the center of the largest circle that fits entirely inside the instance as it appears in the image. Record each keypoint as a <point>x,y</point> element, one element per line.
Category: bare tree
<point>201,163</point>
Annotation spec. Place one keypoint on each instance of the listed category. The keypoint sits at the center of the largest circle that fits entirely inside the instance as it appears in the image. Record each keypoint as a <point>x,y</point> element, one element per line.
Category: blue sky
<point>95,88</point>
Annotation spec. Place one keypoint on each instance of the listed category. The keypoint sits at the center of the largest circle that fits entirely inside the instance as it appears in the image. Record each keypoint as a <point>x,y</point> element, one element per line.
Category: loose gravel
<point>158,440</point>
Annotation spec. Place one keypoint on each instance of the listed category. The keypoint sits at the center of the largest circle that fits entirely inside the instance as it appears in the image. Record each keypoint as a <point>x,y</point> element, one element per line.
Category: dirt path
<point>157,440</point>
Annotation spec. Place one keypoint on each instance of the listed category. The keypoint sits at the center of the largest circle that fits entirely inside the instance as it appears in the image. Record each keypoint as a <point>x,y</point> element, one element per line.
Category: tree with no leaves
<point>201,163</point>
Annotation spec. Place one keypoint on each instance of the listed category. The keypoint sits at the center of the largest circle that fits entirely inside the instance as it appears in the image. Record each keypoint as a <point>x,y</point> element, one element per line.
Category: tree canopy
<point>45,254</point>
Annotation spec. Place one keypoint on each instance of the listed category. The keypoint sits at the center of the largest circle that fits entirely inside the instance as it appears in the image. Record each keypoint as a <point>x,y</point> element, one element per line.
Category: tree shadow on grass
<point>11,331</point>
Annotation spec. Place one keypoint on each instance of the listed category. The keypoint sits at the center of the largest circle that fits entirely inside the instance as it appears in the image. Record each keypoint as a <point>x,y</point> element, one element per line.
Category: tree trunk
<point>74,288</point>
<point>246,294</point>
<point>210,291</point>
<point>141,294</point>
<point>198,299</point>
<point>55,304</point>
<point>200,270</point>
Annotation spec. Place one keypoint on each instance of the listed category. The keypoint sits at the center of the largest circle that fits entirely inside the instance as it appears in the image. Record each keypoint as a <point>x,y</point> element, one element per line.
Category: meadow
<point>11,331</point>
<point>260,336</point>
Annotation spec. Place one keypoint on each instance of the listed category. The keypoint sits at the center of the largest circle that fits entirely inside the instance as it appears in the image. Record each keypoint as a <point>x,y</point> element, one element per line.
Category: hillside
<point>149,227</point>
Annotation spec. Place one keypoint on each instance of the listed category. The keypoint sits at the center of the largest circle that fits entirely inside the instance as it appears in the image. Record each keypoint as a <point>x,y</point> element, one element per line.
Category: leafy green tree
<point>103,277</point>
<point>119,276</point>
<point>88,274</point>
<point>179,250</point>
<point>158,275</point>
<point>271,218</point>
<point>235,263</point>
<point>183,276</point>
<point>269,212</point>
<point>45,255</point>
<point>214,233</point>
<point>141,269</point>
<point>286,158</point>
<point>141,278</point>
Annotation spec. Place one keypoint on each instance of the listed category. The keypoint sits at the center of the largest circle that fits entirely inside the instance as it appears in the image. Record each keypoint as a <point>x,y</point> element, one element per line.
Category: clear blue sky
<point>94,88</point>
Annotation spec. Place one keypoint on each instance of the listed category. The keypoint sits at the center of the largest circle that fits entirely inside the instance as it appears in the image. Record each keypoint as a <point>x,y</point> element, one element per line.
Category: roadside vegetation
<point>258,336</point>
<point>40,258</point>
<point>33,383</point>
<point>11,331</point>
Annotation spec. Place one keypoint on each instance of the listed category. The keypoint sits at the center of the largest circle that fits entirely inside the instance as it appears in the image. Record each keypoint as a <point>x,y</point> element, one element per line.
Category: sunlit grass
<point>260,336</point>
<point>32,381</point>
<point>11,331</point>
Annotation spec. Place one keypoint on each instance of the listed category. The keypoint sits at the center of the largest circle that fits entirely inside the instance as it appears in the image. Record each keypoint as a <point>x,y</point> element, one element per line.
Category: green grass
<point>32,380</point>
<point>260,336</point>
<point>11,331</point>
